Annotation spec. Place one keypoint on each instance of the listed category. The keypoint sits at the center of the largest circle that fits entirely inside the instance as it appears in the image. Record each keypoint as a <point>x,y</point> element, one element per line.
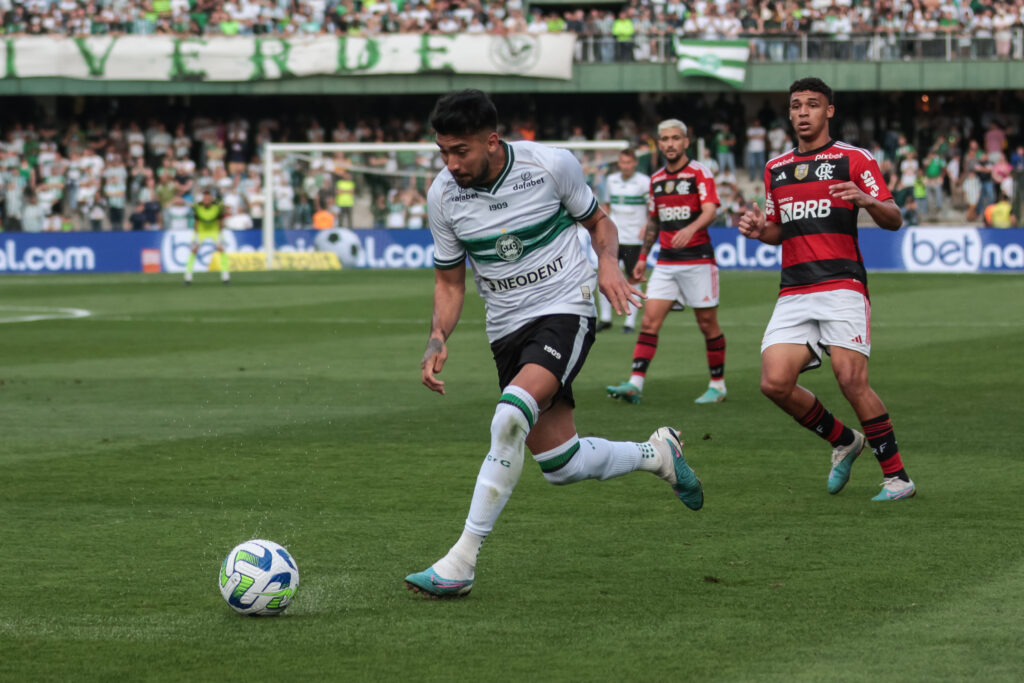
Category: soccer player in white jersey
<point>626,203</point>
<point>511,208</point>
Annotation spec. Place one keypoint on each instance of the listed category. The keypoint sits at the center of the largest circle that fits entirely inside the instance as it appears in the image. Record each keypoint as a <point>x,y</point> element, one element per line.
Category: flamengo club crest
<point>824,171</point>
<point>508,247</point>
<point>801,171</point>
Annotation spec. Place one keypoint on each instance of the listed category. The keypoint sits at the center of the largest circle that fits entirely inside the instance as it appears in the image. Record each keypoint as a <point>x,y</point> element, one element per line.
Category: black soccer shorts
<point>559,343</point>
<point>629,254</point>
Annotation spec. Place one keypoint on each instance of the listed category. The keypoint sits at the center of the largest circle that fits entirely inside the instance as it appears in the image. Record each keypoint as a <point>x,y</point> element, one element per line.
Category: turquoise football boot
<point>429,583</point>
<point>626,391</point>
<point>842,462</point>
<point>712,395</point>
<point>894,488</point>
<point>675,470</point>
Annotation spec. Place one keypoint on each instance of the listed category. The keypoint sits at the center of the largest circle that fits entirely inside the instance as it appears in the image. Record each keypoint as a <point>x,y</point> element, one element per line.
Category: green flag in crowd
<point>725,60</point>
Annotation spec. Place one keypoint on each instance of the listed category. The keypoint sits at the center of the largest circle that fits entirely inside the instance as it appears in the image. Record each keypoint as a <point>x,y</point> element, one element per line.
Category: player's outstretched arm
<point>449,295</point>
<point>754,225</point>
<point>613,284</point>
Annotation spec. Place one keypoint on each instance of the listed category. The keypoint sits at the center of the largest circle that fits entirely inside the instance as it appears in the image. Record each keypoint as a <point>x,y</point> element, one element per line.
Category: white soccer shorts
<point>696,285</point>
<point>839,317</point>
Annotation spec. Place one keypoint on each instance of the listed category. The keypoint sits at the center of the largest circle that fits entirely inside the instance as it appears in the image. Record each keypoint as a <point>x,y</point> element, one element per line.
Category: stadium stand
<point>778,30</point>
<point>98,177</point>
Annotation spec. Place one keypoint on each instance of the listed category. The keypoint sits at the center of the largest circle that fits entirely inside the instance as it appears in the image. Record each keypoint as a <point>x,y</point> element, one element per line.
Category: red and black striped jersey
<point>674,201</point>
<point>819,232</point>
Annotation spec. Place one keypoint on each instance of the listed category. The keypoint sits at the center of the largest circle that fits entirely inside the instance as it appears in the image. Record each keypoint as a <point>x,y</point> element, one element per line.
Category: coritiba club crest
<point>508,247</point>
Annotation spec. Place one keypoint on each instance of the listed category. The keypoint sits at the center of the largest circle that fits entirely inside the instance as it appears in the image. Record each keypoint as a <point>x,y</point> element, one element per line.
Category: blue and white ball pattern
<point>259,577</point>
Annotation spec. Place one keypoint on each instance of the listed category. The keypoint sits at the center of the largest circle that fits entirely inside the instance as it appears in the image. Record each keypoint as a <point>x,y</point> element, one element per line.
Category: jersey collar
<point>680,169</point>
<point>812,152</point>
<point>509,158</point>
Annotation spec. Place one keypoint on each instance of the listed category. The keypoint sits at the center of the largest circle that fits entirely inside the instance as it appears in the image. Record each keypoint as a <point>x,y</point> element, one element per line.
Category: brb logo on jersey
<point>812,208</point>
<point>673,213</point>
<point>508,247</point>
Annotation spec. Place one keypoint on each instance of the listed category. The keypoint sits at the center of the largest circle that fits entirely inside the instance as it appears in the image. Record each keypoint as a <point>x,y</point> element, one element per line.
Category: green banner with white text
<point>255,58</point>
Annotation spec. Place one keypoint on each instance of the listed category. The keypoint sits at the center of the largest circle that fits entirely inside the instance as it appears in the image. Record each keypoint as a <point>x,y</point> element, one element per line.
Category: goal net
<point>374,185</point>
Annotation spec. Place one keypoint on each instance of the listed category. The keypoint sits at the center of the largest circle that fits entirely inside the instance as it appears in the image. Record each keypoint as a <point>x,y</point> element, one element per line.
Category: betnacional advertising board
<point>913,250</point>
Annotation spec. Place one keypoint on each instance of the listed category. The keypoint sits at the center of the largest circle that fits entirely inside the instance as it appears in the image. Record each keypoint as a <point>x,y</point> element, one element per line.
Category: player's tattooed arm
<point>434,347</point>
<point>650,235</point>
<point>449,295</point>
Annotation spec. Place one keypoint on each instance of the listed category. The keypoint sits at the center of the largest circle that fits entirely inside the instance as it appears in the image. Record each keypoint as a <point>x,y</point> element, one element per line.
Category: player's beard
<point>674,158</point>
<point>478,179</point>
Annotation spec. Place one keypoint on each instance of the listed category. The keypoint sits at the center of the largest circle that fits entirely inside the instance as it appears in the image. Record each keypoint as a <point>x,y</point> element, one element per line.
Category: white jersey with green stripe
<point>628,207</point>
<point>519,235</point>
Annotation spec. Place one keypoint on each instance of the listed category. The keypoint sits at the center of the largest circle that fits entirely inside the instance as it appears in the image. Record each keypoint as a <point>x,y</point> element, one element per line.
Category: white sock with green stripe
<point>593,458</point>
<point>516,413</point>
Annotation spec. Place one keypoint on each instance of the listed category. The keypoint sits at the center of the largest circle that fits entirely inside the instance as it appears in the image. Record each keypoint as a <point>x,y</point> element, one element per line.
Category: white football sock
<point>514,416</point>
<point>717,384</point>
<point>637,381</point>
<point>594,458</point>
<point>460,562</point>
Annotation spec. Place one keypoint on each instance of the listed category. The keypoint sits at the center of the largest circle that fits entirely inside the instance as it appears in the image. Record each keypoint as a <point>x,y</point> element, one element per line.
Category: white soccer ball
<point>343,242</point>
<point>259,577</point>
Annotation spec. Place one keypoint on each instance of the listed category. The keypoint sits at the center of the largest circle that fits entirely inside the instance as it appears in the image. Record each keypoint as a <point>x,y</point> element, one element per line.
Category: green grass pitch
<point>141,443</point>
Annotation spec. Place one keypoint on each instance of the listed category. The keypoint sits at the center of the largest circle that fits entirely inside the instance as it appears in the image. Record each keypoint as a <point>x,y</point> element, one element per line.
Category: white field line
<point>222,320</point>
<point>29,314</point>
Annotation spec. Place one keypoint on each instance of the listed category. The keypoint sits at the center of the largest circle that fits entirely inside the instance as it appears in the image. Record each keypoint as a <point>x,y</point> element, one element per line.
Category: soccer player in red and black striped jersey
<point>812,197</point>
<point>683,202</point>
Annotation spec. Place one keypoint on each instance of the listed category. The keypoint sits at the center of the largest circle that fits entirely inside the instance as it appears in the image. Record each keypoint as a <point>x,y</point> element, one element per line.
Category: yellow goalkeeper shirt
<point>208,218</point>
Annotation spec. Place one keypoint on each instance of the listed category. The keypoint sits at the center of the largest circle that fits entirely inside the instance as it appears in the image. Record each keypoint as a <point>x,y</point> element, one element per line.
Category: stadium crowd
<point>638,29</point>
<point>144,175</point>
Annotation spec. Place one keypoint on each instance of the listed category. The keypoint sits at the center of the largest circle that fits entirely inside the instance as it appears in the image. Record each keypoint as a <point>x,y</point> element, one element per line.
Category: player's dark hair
<point>628,152</point>
<point>464,113</point>
<point>811,84</point>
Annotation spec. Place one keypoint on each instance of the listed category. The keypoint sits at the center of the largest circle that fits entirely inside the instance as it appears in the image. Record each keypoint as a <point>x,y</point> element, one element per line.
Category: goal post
<point>284,160</point>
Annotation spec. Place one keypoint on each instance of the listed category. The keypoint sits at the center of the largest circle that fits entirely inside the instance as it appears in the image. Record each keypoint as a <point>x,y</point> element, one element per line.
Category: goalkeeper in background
<point>209,217</point>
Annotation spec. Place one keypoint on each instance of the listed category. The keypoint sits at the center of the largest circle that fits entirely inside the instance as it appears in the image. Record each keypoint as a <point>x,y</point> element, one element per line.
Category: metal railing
<point>793,47</point>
